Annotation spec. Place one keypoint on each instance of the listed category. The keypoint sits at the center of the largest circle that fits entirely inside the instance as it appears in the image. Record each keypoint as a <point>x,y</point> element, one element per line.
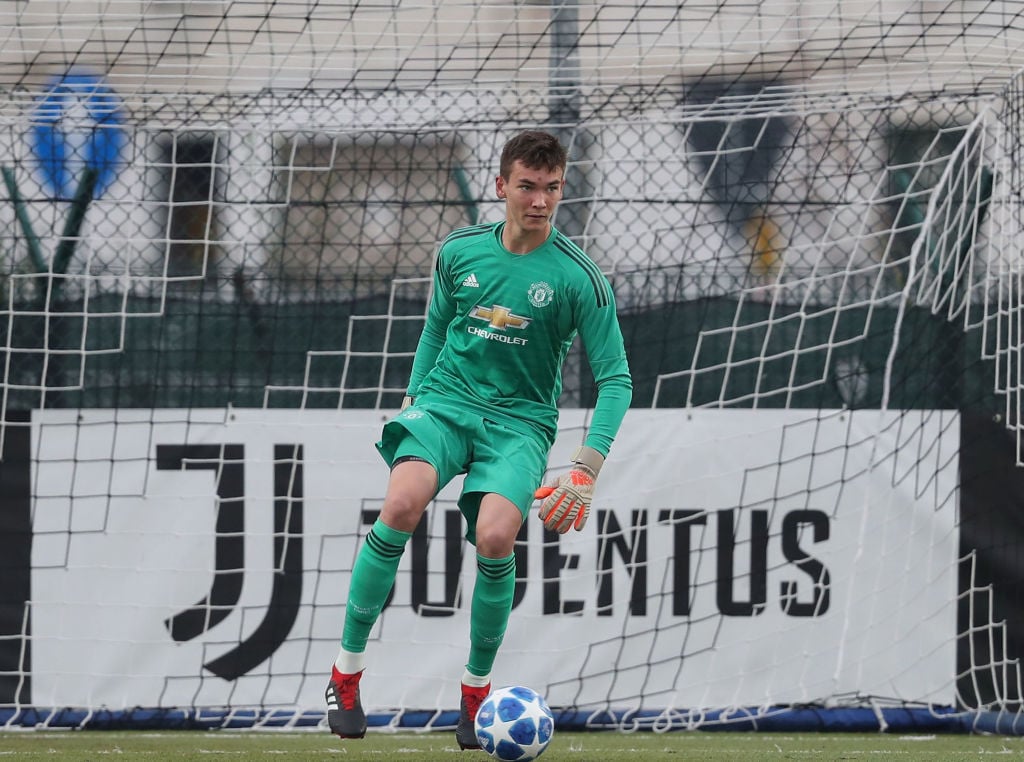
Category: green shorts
<point>493,456</point>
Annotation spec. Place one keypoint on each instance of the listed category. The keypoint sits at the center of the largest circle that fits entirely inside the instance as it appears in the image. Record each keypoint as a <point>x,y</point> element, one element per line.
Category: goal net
<point>217,228</point>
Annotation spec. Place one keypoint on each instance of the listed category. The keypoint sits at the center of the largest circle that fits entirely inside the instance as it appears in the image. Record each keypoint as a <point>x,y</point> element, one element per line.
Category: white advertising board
<point>732,558</point>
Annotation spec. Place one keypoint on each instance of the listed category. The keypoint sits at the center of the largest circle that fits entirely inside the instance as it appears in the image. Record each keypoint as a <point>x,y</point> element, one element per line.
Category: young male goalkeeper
<point>508,299</point>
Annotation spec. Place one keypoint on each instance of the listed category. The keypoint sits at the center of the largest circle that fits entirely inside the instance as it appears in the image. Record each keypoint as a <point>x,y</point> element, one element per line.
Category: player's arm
<point>606,353</point>
<point>567,499</point>
<point>440,313</point>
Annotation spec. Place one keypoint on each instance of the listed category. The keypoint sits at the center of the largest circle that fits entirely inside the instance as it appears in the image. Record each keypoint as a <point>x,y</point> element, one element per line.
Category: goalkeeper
<point>508,300</point>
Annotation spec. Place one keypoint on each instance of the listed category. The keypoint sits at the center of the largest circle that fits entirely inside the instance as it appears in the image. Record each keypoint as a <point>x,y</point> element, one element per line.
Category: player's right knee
<point>402,512</point>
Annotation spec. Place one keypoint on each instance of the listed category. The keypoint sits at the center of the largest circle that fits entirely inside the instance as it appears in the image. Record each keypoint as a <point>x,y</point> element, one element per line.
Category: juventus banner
<point>732,558</point>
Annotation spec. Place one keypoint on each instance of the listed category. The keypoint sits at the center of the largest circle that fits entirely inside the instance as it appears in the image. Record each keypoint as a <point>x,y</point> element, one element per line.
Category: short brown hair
<point>536,149</point>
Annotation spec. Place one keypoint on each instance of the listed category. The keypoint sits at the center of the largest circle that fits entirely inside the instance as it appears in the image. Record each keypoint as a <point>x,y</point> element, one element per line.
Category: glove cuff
<point>590,458</point>
<point>408,401</point>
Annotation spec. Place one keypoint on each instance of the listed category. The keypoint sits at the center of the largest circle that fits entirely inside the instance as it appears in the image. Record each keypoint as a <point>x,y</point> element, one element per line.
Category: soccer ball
<point>514,724</point>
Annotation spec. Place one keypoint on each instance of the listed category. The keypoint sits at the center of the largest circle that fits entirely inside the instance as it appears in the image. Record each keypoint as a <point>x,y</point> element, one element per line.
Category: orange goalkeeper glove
<point>567,499</point>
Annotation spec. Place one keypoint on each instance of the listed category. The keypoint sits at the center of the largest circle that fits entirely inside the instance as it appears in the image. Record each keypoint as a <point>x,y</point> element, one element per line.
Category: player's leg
<point>411,486</point>
<point>497,525</point>
<point>424,455</point>
<point>508,464</point>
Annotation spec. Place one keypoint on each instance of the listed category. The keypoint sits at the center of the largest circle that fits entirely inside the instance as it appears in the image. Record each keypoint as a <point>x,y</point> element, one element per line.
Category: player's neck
<point>520,241</point>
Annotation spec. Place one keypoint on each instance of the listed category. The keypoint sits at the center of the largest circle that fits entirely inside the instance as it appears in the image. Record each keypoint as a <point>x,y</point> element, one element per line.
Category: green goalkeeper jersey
<point>499,327</point>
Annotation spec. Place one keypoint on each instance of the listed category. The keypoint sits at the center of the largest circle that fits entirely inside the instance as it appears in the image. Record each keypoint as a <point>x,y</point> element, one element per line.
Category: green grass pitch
<point>312,746</point>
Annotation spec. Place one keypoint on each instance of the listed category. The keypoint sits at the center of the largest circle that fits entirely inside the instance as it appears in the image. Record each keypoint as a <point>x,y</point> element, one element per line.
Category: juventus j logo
<point>228,463</point>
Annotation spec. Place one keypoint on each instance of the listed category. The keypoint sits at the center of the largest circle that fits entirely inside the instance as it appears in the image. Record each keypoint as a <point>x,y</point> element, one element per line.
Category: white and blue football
<point>514,724</point>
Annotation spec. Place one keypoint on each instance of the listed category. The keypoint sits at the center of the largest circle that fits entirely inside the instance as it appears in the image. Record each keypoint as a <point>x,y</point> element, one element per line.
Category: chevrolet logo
<point>499,317</point>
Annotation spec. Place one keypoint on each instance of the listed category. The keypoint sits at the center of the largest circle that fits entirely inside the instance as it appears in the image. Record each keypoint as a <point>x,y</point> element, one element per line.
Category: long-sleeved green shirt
<point>499,327</point>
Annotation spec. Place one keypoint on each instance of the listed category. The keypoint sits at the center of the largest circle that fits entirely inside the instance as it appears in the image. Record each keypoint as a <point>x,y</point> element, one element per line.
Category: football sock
<point>373,576</point>
<point>492,604</point>
<point>350,663</point>
<point>475,681</point>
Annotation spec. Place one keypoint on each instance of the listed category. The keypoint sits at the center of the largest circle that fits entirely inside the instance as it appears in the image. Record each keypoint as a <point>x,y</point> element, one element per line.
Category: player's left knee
<point>494,541</point>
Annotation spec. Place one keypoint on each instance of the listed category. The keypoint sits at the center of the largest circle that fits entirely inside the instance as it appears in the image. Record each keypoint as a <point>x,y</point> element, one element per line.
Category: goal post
<point>217,230</point>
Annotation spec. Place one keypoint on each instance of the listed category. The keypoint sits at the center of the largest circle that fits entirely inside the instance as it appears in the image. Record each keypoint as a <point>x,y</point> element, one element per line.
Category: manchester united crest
<point>541,294</point>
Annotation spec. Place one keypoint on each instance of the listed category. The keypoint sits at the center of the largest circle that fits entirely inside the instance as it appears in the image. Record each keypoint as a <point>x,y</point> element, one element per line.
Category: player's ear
<point>499,186</point>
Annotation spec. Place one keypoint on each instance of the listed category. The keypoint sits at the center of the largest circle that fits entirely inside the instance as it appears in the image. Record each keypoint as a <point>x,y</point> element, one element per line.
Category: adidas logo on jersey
<point>471,281</point>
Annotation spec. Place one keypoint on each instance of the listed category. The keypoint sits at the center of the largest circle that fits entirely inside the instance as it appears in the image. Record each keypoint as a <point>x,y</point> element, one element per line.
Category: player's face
<point>531,196</point>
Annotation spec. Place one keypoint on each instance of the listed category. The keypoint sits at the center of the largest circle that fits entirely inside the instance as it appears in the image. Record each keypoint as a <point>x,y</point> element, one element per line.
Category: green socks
<point>492,604</point>
<point>372,579</point>
<point>374,575</point>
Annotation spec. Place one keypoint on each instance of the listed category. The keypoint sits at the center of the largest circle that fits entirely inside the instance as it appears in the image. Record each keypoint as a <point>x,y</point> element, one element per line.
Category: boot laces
<point>347,687</point>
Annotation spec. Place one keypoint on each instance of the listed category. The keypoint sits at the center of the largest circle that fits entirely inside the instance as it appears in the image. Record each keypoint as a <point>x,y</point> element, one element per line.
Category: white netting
<point>217,227</point>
